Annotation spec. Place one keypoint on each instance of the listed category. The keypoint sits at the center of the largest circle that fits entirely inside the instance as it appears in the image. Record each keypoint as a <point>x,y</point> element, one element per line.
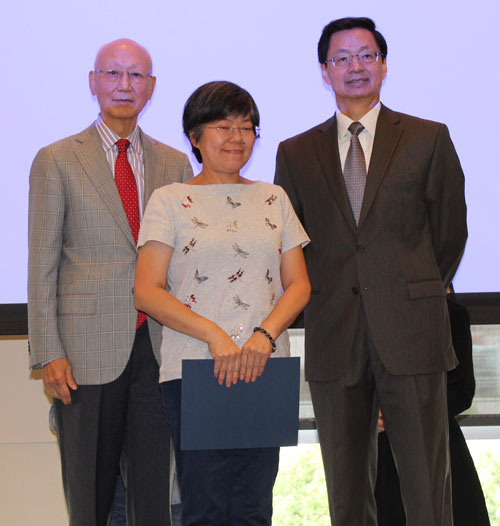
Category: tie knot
<point>123,145</point>
<point>356,128</point>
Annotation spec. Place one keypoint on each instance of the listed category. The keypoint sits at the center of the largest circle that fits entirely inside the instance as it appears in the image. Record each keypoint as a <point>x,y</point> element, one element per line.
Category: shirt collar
<point>109,137</point>
<point>369,121</point>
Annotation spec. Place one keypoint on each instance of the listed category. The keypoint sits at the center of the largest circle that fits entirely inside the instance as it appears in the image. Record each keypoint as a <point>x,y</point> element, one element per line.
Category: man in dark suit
<point>469,506</point>
<point>381,195</point>
<point>87,194</point>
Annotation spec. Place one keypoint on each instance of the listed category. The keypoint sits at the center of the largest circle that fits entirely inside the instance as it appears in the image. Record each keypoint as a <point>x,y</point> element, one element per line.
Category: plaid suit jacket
<point>82,255</point>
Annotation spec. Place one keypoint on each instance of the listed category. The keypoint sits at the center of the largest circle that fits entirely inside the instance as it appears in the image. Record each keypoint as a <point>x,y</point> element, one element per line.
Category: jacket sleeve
<point>45,235</point>
<point>283,179</point>
<point>445,199</point>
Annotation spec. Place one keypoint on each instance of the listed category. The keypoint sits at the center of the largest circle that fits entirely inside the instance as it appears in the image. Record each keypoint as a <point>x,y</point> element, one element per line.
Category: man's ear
<point>384,68</point>
<point>92,81</point>
<point>324,74</point>
<point>152,84</point>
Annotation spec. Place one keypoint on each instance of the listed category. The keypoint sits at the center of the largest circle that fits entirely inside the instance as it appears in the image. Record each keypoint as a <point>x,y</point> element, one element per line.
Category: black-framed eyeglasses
<point>364,57</point>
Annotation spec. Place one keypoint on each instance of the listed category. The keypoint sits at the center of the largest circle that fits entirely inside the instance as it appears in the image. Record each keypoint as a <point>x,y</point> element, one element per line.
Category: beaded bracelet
<point>267,335</point>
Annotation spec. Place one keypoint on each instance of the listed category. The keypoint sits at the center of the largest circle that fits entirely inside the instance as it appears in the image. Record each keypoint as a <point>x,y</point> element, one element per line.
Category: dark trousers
<point>119,508</point>
<point>415,416</point>
<point>126,413</point>
<point>469,506</point>
<point>229,487</point>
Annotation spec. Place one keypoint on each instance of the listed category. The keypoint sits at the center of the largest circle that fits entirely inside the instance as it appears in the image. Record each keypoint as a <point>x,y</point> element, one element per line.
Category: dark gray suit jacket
<point>399,260</point>
<point>82,255</point>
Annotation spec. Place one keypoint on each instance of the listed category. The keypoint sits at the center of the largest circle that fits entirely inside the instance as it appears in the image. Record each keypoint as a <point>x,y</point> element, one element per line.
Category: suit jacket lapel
<point>387,135</point>
<point>152,166</point>
<point>327,148</point>
<point>92,158</point>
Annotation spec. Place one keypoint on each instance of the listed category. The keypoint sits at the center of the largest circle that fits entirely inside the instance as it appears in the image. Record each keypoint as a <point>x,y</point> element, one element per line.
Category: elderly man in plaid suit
<point>87,194</point>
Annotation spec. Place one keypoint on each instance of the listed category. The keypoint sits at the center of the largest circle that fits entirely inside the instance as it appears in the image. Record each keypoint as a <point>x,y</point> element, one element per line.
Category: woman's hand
<point>254,356</point>
<point>226,355</point>
<point>150,296</point>
<point>297,289</point>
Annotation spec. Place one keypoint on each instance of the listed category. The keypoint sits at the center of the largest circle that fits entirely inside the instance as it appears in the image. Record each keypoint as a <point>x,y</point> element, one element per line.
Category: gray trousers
<point>126,414</point>
<point>415,414</point>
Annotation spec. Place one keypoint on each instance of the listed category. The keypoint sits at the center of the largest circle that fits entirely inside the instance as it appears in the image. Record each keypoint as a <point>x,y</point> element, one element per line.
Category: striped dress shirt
<point>135,155</point>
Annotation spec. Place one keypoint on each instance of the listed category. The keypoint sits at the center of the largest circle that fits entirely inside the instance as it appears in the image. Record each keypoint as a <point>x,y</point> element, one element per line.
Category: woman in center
<point>221,267</point>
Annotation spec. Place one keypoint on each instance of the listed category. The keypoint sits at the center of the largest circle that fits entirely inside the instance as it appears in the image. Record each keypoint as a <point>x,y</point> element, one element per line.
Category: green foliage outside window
<point>488,468</point>
<point>300,497</point>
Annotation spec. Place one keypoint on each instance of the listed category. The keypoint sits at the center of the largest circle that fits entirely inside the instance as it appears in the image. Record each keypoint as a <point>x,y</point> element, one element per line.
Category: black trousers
<point>104,419</point>
<point>416,420</point>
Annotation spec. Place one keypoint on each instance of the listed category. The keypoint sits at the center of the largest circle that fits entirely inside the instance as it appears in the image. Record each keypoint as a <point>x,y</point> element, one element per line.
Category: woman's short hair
<point>215,101</point>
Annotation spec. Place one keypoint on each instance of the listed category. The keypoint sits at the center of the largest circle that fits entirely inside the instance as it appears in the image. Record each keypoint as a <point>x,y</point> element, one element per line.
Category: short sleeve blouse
<point>227,241</point>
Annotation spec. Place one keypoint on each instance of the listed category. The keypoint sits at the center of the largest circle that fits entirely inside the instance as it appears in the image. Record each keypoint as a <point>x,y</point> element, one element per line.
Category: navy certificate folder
<point>260,414</point>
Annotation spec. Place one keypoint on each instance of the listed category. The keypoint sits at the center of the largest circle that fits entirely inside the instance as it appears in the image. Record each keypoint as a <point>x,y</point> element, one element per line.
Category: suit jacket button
<point>360,249</point>
<point>355,290</point>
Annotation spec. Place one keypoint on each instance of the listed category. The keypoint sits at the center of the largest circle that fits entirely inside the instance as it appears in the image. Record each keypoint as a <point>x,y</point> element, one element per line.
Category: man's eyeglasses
<point>114,75</point>
<point>227,131</point>
<point>365,57</point>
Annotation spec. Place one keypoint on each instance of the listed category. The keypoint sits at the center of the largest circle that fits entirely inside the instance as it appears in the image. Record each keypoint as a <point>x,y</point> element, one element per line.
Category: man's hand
<point>57,377</point>
<point>380,423</point>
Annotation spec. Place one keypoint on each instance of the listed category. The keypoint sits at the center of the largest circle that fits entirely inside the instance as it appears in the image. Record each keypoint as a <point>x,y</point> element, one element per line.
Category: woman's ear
<point>192,138</point>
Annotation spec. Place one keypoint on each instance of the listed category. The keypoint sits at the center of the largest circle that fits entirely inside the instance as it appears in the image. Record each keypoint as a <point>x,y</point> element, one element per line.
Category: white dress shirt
<point>369,121</point>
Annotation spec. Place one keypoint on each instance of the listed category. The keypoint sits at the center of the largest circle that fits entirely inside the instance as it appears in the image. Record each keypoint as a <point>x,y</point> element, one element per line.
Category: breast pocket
<point>393,180</point>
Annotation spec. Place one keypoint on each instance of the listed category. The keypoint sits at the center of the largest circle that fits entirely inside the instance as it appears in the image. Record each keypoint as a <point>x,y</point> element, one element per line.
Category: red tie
<point>127,188</point>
